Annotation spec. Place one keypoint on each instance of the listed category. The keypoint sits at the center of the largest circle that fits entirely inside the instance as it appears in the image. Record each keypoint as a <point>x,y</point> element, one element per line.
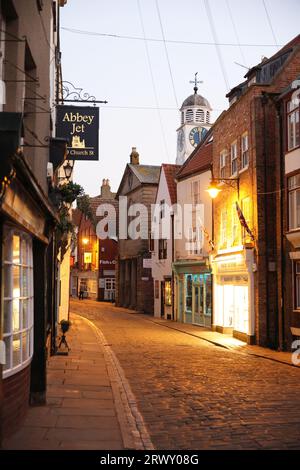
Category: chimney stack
<point>134,157</point>
<point>105,189</point>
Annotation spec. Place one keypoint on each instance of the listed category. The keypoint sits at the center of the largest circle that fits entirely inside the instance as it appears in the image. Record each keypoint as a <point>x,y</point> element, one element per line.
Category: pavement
<point>194,394</point>
<point>89,403</point>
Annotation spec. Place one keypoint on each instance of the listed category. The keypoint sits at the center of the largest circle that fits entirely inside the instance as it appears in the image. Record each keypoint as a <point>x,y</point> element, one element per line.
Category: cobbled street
<point>195,395</point>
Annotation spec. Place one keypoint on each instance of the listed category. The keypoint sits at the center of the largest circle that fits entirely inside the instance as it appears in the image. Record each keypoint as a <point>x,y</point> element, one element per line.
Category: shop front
<point>193,292</point>
<point>234,294</point>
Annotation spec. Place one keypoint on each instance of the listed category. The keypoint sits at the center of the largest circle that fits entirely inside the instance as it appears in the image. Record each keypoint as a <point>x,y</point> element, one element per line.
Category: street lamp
<point>213,189</point>
<point>68,170</point>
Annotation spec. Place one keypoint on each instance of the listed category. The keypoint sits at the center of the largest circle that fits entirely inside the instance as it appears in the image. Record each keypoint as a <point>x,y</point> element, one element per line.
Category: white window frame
<point>234,159</point>
<point>245,151</point>
<point>293,191</point>
<point>9,297</point>
<point>293,125</point>
<point>223,156</point>
<point>110,283</point>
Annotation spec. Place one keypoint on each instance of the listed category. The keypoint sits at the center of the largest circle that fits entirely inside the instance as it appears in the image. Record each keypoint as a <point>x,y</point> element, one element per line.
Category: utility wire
<point>235,32</point>
<point>219,53</point>
<point>171,41</point>
<point>270,23</point>
<point>153,82</point>
<point>166,51</point>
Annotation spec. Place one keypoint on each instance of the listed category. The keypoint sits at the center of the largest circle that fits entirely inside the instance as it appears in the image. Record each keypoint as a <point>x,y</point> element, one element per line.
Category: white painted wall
<point>184,196</point>
<point>162,267</point>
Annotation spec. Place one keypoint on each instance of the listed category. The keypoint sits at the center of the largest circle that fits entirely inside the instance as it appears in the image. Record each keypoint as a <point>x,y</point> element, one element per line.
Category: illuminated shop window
<point>17,270</point>
<point>168,293</point>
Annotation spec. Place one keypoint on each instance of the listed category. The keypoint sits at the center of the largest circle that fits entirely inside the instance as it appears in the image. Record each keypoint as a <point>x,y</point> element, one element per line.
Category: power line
<point>166,51</point>
<point>219,53</point>
<point>171,41</point>
<point>235,32</point>
<point>153,82</point>
<point>270,23</point>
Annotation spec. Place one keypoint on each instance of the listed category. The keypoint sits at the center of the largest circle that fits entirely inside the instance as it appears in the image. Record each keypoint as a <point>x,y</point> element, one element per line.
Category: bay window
<point>294,202</point>
<point>293,130</point>
<point>17,268</point>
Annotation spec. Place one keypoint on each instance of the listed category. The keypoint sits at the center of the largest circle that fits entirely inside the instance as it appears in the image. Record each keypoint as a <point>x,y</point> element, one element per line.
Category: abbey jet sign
<point>80,126</point>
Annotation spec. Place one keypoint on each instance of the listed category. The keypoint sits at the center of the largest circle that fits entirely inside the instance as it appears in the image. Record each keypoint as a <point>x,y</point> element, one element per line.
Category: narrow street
<point>195,395</point>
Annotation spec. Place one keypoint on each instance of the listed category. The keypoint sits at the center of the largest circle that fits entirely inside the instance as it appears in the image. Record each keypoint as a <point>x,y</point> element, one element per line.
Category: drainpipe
<point>281,332</point>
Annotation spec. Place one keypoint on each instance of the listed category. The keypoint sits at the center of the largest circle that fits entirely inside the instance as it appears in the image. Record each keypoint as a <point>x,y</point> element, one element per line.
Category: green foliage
<point>69,192</point>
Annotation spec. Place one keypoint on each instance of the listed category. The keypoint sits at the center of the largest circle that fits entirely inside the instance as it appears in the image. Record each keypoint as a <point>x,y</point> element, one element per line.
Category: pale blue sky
<point>117,69</point>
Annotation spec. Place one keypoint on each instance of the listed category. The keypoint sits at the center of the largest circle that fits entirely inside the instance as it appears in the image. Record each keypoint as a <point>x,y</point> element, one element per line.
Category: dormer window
<point>189,115</point>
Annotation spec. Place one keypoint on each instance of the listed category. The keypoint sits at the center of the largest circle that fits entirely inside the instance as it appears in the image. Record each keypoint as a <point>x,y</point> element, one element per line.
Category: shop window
<point>17,269</point>
<point>168,293</point>
<point>162,249</point>
<point>245,151</point>
<point>293,129</point>
<point>188,292</point>
<point>297,285</point>
<point>294,202</point>
<point>234,159</point>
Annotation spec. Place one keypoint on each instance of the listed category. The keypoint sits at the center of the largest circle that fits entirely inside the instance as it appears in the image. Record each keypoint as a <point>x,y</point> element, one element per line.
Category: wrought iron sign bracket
<point>72,94</point>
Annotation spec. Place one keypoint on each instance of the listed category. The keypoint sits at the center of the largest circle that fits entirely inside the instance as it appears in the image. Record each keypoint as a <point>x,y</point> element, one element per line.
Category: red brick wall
<point>16,400</point>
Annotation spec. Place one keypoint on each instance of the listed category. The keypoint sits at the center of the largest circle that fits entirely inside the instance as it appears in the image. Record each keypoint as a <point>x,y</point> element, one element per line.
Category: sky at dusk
<point>137,76</point>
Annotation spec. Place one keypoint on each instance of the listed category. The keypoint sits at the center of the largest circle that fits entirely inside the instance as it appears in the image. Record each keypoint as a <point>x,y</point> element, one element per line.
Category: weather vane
<point>195,82</point>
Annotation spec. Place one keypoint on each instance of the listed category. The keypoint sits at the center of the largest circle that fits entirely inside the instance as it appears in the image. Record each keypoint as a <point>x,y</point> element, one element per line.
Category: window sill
<point>292,150</point>
<point>244,169</point>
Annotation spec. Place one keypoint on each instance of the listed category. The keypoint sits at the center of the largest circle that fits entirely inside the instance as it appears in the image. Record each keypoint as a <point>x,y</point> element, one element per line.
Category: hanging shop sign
<point>87,257</point>
<point>80,126</point>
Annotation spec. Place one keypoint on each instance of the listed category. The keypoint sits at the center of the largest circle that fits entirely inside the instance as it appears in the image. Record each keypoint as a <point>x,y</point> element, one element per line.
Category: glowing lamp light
<point>213,189</point>
<point>85,241</point>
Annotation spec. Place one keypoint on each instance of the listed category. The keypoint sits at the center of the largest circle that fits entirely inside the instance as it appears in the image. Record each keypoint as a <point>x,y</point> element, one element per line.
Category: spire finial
<point>195,81</point>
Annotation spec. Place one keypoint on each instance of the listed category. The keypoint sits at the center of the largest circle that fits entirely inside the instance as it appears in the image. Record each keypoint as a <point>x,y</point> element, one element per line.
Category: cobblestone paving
<point>194,395</point>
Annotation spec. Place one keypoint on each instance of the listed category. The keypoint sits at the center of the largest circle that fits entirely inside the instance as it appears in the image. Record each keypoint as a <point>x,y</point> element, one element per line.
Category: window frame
<point>292,191</point>
<point>223,156</point>
<point>245,151</point>
<point>292,110</point>
<point>296,276</point>
<point>162,248</point>
<point>25,282</point>
<point>233,158</point>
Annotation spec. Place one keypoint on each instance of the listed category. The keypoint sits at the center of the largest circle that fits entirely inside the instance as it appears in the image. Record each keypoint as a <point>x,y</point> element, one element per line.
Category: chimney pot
<point>134,157</point>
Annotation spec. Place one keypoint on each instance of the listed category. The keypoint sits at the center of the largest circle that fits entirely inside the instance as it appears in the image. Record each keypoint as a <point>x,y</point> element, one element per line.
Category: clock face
<point>196,135</point>
<point>180,140</point>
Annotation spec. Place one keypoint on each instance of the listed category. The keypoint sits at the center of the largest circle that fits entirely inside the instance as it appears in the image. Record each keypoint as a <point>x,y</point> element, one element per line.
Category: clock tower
<point>195,122</point>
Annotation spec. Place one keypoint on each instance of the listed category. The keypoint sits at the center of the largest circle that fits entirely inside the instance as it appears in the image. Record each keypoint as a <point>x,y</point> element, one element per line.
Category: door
<point>162,298</point>
<point>198,307</point>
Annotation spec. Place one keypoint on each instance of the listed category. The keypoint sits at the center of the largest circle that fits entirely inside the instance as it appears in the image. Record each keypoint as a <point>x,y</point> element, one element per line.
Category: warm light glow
<point>213,190</point>
<point>85,241</point>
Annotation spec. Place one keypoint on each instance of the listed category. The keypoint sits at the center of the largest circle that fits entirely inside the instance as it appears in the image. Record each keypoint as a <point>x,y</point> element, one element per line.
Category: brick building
<point>134,278</point>
<point>288,218</point>
<point>94,265</point>
<point>246,264</point>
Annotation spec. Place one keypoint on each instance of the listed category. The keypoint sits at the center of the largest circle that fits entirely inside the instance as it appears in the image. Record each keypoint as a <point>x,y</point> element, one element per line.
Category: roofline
<point>203,169</point>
